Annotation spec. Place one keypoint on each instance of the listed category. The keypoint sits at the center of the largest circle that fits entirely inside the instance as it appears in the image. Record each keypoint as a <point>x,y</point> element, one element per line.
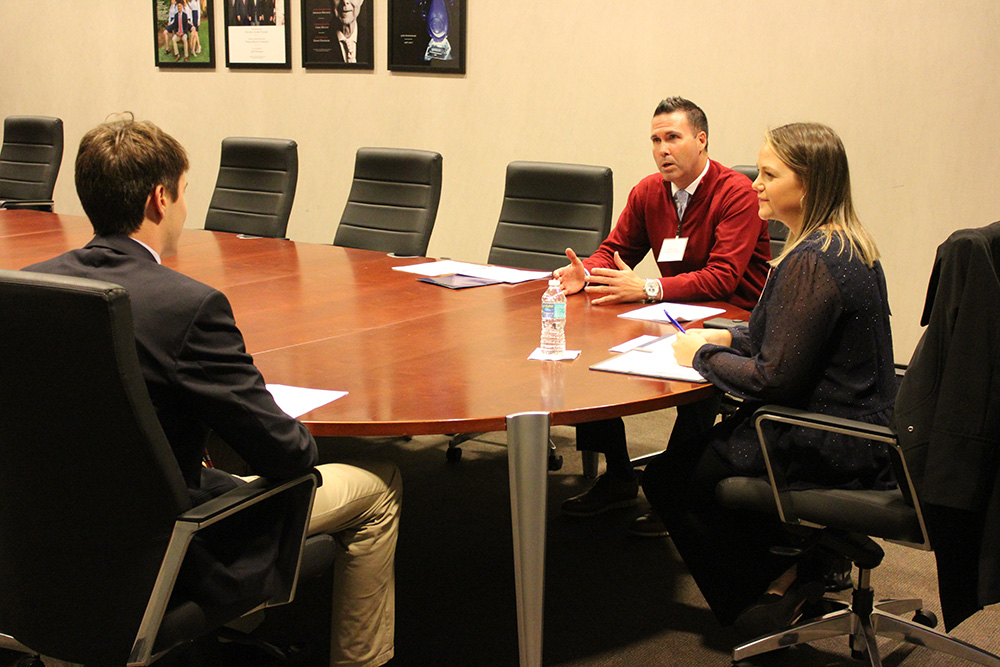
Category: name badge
<point>672,250</point>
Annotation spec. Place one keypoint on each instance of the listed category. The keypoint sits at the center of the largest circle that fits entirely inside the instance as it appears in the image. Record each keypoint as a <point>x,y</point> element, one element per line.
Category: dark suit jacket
<point>200,378</point>
<point>948,420</point>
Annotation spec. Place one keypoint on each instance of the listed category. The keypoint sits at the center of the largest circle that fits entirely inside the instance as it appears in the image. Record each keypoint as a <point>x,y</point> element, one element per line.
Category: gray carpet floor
<point>610,600</point>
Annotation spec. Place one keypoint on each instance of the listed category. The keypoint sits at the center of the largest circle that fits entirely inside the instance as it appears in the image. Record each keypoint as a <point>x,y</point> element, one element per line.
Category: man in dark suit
<point>130,177</point>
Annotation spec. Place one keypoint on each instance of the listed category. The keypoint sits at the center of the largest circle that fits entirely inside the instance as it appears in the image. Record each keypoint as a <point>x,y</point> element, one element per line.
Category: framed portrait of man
<point>338,34</point>
<point>258,34</point>
<point>182,33</point>
<point>427,36</point>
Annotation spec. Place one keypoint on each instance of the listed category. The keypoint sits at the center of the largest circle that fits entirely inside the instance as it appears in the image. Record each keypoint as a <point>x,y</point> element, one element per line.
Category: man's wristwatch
<point>652,289</point>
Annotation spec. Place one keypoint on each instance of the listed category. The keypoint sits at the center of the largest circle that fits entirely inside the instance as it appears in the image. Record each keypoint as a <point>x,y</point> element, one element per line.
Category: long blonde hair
<point>816,155</point>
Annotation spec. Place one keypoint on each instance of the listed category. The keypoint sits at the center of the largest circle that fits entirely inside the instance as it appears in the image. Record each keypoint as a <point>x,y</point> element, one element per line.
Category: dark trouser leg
<point>606,436</point>
<point>727,552</point>
<point>693,419</point>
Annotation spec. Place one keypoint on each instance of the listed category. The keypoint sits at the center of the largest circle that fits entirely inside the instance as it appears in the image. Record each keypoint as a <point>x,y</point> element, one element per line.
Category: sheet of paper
<point>447,267</point>
<point>683,312</point>
<point>509,275</point>
<point>654,359</point>
<point>634,343</point>
<point>443,267</point>
<point>297,401</point>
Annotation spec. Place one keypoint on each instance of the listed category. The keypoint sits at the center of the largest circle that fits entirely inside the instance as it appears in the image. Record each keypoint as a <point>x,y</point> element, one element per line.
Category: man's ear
<point>156,204</point>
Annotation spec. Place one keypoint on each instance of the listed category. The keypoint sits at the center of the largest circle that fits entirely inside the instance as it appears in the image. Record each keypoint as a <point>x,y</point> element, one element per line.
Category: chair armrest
<point>813,420</point>
<point>822,422</point>
<point>295,497</point>
<point>33,204</point>
<point>245,495</point>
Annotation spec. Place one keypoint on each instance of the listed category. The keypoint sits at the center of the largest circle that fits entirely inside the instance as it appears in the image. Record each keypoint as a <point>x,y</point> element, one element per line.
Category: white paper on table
<point>512,276</point>
<point>538,355</point>
<point>683,312</point>
<point>653,359</point>
<point>447,267</point>
<point>295,401</point>
<point>443,267</point>
<point>634,343</point>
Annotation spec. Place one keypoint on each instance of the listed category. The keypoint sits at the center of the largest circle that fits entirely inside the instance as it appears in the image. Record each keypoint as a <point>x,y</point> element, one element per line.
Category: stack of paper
<point>449,267</point>
<point>651,359</point>
<point>683,312</point>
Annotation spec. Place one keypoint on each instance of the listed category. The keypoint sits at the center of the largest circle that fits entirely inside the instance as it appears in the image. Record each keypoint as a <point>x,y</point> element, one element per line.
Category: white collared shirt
<point>353,40</point>
<point>155,254</point>
<point>693,185</point>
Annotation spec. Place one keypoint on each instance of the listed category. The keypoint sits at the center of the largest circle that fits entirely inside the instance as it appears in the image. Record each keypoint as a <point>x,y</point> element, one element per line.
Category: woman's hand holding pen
<point>688,344</point>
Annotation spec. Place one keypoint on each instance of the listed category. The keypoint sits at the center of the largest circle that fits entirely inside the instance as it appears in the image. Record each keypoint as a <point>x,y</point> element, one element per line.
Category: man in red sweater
<point>700,220</point>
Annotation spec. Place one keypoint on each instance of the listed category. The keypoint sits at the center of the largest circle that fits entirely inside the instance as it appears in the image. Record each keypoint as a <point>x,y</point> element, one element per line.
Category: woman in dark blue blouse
<point>819,339</point>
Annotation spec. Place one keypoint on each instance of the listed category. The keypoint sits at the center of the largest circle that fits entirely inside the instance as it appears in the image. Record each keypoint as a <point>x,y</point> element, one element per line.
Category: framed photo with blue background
<point>338,34</point>
<point>427,36</point>
<point>182,33</point>
<point>258,34</point>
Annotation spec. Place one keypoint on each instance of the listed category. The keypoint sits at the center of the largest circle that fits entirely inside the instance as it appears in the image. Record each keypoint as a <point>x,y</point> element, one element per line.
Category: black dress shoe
<point>608,492</point>
<point>773,613</point>
<point>648,525</point>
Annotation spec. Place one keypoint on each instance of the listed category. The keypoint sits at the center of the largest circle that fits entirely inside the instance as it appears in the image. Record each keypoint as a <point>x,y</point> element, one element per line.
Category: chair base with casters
<point>844,521</point>
<point>454,451</point>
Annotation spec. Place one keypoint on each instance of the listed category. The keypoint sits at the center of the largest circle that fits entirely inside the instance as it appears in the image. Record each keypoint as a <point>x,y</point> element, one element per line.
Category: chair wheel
<point>555,462</point>
<point>924,617</point>
<point>453,454</point>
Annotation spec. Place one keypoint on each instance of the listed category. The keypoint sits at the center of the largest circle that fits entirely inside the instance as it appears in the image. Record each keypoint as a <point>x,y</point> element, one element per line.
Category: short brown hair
<point>118,165</point>
<point>695,116</point>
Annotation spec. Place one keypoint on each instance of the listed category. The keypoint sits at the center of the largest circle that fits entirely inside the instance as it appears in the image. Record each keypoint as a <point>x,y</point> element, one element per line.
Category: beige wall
<point>912,88</point>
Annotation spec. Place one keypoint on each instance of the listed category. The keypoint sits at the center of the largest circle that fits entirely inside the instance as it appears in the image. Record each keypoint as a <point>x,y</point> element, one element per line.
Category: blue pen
<point>673,321</point>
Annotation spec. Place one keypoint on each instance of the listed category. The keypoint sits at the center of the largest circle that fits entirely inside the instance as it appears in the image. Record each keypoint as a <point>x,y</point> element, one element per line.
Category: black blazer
<point>200,378</point>
<point>948,419</point>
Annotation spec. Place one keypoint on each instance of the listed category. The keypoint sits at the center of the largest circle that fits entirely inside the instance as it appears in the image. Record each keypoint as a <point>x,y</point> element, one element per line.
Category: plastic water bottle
<point>553,320</point>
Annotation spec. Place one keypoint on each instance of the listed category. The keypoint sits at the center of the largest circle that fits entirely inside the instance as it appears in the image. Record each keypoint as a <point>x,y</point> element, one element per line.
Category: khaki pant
<point>359,506</point>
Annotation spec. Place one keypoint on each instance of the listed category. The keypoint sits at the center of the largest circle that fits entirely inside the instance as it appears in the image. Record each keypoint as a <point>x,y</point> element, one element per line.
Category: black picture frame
<point>320,26</point>
<point>258,34</point>
<point>192,53</point>
<point>411,45</point>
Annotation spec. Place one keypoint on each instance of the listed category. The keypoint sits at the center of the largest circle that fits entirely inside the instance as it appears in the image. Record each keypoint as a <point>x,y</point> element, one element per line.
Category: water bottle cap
<point>553,282</point>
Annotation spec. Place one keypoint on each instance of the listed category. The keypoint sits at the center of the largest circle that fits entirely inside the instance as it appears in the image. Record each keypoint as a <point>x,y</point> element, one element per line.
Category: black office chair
<point>255,188</point>
<point>95,516</point>
<point>776,230</point>
<point>393,201</point>
<point>844,522</point>
<point>548,207</point>
<point>29,161</point>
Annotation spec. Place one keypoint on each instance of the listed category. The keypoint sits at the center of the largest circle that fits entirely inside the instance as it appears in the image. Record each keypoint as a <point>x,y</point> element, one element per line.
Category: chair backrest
<point>393,201</point>
<point>775,230</point>
<point>255,188</point>
<point>89,488</point>
<point>548,207</point>
<point>30,157</point>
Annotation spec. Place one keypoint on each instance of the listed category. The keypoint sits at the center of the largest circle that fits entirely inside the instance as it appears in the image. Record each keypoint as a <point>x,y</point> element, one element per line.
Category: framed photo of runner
<point>258,34</point>
<point>338,34</point>
<point>427,36</point>
<point>182,33</point>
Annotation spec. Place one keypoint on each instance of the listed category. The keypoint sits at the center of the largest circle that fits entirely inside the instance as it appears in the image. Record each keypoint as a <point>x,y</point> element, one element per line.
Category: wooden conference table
<point>414,358</point>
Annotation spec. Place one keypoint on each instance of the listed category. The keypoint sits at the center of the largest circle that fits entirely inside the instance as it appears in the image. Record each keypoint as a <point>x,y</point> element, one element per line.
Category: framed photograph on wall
<point>338,34</point>
<point>182,33</point>
<point>258,34</point>
<point>427,36</point>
